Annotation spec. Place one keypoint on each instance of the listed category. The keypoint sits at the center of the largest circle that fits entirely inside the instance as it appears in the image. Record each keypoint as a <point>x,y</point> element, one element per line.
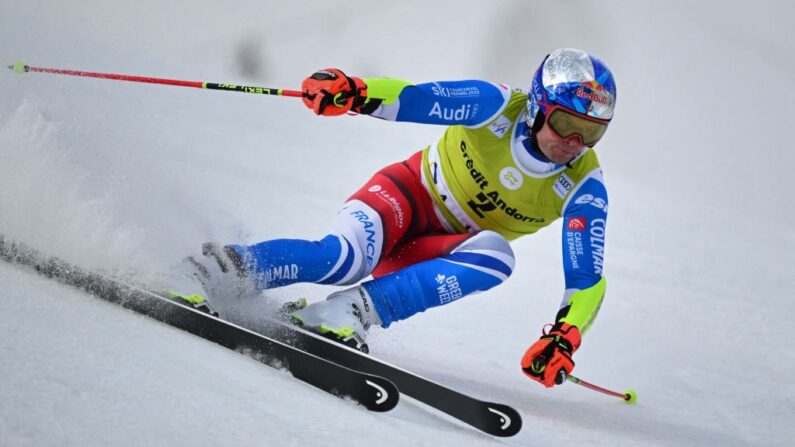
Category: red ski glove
<point>549,361</point>
<point>330,92</point>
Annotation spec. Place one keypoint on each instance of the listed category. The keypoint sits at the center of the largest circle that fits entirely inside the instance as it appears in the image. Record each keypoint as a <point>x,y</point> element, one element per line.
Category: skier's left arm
<point>583,240</point>
<point>584,222</point>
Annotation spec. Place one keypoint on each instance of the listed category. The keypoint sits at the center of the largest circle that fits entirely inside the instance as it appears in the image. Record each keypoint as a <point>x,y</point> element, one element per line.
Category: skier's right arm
<point>330,92</point>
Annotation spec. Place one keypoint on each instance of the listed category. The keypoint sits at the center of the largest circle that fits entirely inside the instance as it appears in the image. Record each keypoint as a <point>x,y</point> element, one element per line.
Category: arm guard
<point>581,307</point>
<point>449,103</point>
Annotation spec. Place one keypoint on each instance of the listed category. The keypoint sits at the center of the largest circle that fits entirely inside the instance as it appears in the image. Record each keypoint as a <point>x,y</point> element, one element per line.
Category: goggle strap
<point>538,122</point>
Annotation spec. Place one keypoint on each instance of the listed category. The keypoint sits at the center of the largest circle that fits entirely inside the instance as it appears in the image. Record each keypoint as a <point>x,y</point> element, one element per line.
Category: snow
<point>132,177</point>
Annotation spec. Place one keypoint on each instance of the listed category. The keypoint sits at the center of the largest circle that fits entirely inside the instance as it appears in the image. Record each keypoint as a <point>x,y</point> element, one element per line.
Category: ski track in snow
<point>130,178</point>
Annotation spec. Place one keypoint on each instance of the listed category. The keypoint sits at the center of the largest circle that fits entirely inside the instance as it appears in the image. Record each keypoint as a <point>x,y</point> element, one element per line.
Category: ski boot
<point>343,317</point>
<point>285,310</point>
<point>221,272</point>
<point>193,300</point>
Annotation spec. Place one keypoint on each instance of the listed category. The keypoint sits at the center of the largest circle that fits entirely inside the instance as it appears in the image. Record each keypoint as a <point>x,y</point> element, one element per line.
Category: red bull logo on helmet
<point>593,91</point>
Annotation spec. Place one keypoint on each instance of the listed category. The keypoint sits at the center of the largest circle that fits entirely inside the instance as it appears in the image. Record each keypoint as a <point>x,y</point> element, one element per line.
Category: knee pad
<point>361,234</point>
<point>486,251</point>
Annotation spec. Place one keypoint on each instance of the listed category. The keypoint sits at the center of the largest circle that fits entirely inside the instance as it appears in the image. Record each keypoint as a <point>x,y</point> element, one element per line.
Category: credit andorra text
<point>576,248</point>
<point>490,200</point>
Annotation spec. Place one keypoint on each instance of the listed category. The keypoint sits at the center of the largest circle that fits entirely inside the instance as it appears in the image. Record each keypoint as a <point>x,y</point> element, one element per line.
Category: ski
<point>369,390</point>
<point>493,418</point>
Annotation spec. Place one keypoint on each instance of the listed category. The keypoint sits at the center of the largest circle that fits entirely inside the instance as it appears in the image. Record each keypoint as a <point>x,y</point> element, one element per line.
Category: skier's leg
<point>345,255</point>
<point>479,263</point>
<point>391,207</point>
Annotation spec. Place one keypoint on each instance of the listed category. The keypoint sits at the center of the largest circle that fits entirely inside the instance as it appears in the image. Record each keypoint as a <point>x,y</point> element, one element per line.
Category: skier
<point>436,227</point>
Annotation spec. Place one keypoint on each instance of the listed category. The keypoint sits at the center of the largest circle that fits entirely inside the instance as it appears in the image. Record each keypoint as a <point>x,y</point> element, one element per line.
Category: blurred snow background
<point>132,177</point>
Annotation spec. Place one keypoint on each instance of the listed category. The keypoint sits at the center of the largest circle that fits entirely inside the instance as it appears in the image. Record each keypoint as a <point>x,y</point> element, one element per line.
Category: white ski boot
<point>344,317</point>
<point>221,271</point>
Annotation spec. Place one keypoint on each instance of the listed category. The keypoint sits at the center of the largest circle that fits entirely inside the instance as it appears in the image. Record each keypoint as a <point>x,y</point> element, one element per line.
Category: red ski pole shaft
<point>20,67</point>
<point>629,396</point>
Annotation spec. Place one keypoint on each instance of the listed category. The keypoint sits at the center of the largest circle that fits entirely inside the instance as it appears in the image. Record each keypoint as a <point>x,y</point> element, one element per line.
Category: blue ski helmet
<point>575,81</point>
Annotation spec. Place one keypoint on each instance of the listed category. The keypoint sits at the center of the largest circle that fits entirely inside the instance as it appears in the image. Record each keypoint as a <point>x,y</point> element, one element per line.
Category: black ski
<point>493,418</point>
<point>371,391</point>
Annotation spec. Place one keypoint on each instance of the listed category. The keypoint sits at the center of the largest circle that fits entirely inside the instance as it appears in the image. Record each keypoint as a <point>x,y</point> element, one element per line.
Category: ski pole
<point>629,396</point>
<point>20,67</point>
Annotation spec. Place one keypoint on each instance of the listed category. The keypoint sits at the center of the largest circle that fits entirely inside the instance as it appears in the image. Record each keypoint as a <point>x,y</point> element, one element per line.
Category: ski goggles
<point>566,123</point>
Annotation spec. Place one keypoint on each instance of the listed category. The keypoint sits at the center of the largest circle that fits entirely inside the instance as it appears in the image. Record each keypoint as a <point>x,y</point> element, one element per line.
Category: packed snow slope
<point>132,177</point>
